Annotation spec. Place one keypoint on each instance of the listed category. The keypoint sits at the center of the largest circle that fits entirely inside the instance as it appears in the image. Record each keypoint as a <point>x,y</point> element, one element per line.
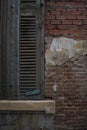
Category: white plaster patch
<point>61,49</point>
<point>55,87</point>
<point>61,44</point>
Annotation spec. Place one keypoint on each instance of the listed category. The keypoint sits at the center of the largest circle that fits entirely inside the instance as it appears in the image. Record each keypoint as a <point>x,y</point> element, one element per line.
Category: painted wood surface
<point>21,105</point>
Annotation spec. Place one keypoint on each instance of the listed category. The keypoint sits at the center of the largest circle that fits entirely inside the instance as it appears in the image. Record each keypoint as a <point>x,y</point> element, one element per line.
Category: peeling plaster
<point>59,50</point>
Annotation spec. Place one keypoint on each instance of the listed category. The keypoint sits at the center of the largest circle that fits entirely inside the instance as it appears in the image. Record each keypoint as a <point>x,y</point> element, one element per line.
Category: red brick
<point>49,26</point>
<point>82,8</point>
<point>54,32</point>
<point>46,32</point>
<point>73,12</point>
<point>84,21</point>
<point>59,3</point>
<point>60,17</point>
<point>77,22</point>
<point>66,21</point>
<point>60,9</point>
<point>71,3</point>
<point>81,17</point>
<point>76,12</point>
<point>83,27</point>
<point>47,21</point>
<point>84,12</point>
<point>62,26</point>
<point>50,17</point>
<point>64,31</point>
<point>67,26</point>
<point>54,12</point>
<point>81,32</point>
<point>70,17</point>
<point>55,21</point>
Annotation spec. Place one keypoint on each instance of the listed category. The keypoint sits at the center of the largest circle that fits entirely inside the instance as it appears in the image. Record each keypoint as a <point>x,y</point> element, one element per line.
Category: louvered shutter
<point>22,50</point>
<point>30,52</point>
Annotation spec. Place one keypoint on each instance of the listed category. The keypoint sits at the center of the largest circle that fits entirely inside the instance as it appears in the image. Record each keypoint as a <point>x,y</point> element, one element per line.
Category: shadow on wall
<point>61,49</point>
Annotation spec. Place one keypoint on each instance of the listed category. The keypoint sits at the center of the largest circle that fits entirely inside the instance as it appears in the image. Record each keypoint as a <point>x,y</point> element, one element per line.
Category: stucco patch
<point>59,50</point>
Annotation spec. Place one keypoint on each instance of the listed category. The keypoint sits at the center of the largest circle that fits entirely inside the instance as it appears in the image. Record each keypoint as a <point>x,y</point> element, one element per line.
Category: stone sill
<point>47,106</point>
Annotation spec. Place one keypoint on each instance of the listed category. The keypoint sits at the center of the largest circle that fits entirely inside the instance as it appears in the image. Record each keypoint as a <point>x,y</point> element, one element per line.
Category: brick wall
<point>67,83</point>
<point>66,18</point>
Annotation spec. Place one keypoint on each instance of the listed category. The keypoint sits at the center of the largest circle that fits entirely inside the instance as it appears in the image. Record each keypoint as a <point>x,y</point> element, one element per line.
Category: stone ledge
<point>47,106</point>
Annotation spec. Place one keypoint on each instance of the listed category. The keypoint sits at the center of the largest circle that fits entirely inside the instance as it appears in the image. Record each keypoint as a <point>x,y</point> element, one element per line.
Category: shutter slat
<point>25,54</point>
<point>28,1</point>
<point>26,75</point>
<point>27,48</point>
<point>27,63</point>
<point>25,43</point>
<point>27,57</point>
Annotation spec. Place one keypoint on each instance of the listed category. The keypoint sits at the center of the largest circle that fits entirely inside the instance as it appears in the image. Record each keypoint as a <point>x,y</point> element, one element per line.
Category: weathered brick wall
<point>66,18</point>
<point>67,82</point>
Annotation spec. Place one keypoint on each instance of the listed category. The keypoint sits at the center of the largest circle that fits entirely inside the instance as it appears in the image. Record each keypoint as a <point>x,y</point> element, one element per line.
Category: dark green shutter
<point>30,51</point>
